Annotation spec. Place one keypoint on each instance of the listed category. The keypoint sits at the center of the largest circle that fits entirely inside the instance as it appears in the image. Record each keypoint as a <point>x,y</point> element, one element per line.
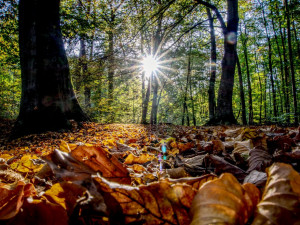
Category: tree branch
<point>218,14</point>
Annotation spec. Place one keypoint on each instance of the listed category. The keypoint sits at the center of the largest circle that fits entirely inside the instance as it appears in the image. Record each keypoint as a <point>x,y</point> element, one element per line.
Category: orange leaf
<point>12,198</point>
<point>156,203</point>
<point>224,201</point>
<point>65,194</point>
<point>103,162</point>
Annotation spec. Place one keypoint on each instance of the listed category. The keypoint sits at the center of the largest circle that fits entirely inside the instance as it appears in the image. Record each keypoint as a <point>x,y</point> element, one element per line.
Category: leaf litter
<point>120,174</point>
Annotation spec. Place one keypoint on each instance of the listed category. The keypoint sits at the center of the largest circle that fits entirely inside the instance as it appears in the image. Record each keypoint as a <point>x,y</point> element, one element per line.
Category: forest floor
<point>143,174</point>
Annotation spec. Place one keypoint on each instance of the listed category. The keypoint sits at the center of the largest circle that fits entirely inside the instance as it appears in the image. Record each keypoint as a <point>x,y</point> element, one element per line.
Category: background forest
<point>106,41</point>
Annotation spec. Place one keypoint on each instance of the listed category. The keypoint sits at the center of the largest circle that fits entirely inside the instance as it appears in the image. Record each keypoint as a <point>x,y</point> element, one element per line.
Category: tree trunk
<point>244,120</point>
<point>270,63</point>
<point>48,100</point>
<point>213,61</point>
<point>157,43</point>
<point>291,62</point>
<point>224,112</point>
<point>244,43</point>
<point>146,103</point>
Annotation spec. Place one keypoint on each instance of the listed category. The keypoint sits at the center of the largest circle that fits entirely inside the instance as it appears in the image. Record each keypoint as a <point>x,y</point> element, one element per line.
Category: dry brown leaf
<point>218,146</point>
<point>185,146</point>
<point>280,202</point>
<point>12,198</point>
<point>242,147</point>
<point>103,162</point>
<point>259,159</point>
<point>222,166</point>
<point>156,203</point>
<point>40,212</point>
<point>195,182</point>
<point>224,201</point>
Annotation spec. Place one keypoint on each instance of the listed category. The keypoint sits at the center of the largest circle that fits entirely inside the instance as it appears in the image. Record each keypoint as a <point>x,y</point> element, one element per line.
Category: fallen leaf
<point>103,162</point>
<point>27,164</point>
<point>12,198</point>
<point>222,166</point>
<point>40,212</point>
<point>65,194</point>
<point>257,178</point>
<point>224,201</point>
<point>259,159</point>
<point>141,159</point>
<point>156,203</point>
<point>280,202</point>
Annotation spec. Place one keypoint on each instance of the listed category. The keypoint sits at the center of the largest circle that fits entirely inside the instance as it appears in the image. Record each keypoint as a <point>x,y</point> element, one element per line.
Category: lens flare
<point>150,65</point>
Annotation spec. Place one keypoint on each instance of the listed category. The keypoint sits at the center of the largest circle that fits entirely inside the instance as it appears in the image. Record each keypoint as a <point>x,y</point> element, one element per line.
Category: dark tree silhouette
<point>48,101</point>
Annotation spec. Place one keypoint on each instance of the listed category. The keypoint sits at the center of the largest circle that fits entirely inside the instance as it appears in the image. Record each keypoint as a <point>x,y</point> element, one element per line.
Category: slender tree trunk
<point>157,43</point>
<point>213,61</point>
<point>48,100</point>
<point>270,63</point>
<point>281,66</point>
<point>244,120</point>
<point>286,3</point>
<point>260,87</point>
<point>244,43</point>
<point>146,103</point>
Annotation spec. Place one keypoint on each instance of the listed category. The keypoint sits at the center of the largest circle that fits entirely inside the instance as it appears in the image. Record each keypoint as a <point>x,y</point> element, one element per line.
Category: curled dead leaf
<point>259,159</point>
<point>224,201</point>
<point>141,159</point>
<point>280,202</point>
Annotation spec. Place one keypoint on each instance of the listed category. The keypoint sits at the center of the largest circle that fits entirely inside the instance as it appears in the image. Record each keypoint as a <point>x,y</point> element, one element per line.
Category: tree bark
<point>48,100</point>
<point>244,120</point>
<point>244,43</point>
<point>213,61</point>
<point>296,121</point>
<point>224,112</point>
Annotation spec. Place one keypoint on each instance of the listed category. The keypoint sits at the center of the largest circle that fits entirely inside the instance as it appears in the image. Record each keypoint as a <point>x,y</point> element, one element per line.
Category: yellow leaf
<point>27,165</point>
<point>143,158</point>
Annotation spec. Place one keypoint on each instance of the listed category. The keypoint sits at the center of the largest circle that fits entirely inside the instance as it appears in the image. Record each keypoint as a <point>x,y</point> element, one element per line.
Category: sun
<point>150,65</point>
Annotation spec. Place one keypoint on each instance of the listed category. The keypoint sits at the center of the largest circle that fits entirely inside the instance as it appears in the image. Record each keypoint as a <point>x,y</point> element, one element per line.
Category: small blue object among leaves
<point>165,157</point>
<point>164,148</point>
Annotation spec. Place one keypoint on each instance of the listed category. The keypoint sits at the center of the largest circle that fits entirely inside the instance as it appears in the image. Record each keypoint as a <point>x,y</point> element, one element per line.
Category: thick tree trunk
<point>48,100</point>
<point>224,113</point>
<point>213,61</point>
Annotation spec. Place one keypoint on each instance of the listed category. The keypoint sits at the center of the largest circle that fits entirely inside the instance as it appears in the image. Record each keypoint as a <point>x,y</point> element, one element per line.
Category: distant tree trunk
<point>48,99</point>
<point>281,65</point>
<point>244,120</point>
<point>84,72</point>
<point>244,43</point>
<point>261,90</point>
<point>157,44</point>
<point>224,112</point>
<point>286,3</point>
<point>270,63</point>
<point>146,103</point>
<point>213,61</point>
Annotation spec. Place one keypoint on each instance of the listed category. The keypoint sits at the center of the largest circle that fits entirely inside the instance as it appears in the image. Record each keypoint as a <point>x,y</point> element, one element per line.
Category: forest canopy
<point>107,41</point>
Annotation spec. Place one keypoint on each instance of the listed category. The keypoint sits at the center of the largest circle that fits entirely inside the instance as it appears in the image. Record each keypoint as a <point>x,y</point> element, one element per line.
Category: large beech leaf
<point>259,159</point>
<point>12,198</point>
<point>157,203</point>
<point>280,202</point>
<point>224,201</point>
<point>103,162</point>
